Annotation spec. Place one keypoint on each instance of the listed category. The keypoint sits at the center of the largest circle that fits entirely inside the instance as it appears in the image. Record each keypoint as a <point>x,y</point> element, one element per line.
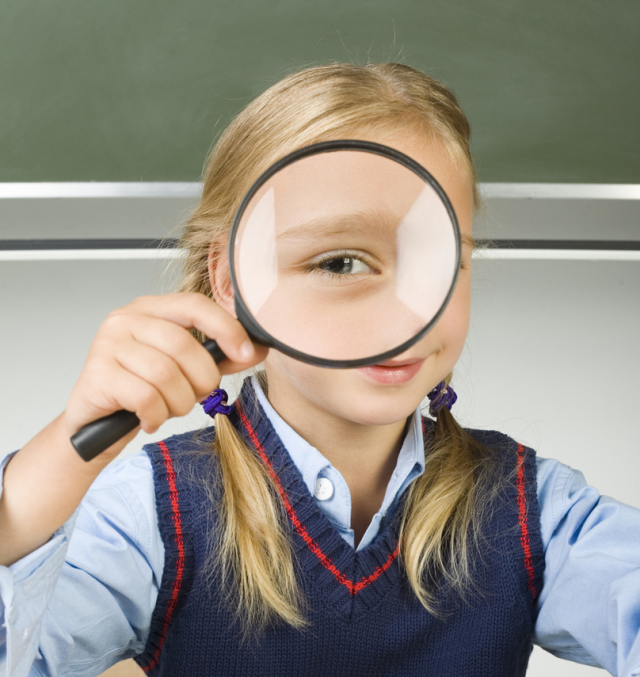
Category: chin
<point>382,418</point>
<point>379,406</point>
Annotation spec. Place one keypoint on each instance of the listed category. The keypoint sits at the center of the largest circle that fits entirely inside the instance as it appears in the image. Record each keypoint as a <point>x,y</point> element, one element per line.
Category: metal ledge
<point>98,189</point>
<point>185,189</point>
<point>159,254</point>
<point>561,191</point>
<point>132,249</point>
<point>155,211</point>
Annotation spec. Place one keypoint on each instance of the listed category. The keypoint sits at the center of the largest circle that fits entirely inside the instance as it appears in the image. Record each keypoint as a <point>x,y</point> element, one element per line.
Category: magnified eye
<point>344,265</point>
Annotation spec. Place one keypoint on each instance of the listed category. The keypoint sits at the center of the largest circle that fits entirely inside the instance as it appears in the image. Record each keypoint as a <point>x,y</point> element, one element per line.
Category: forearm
<point>43,485</point>
<point>143,360</point>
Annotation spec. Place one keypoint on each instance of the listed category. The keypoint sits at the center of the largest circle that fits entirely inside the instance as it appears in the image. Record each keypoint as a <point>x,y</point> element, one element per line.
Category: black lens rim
<point>253,328</point>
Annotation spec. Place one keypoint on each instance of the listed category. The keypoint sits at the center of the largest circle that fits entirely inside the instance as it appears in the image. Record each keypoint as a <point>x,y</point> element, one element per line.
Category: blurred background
<point>107,113</point>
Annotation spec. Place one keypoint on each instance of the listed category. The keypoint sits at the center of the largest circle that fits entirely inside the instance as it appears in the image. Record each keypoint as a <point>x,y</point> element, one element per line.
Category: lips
<point>399,363</point>
<point>393,372</point>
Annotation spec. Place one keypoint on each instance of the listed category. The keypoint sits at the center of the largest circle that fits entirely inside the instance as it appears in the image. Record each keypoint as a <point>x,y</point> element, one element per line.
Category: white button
<point>324,489</point>
<point>25,634</point>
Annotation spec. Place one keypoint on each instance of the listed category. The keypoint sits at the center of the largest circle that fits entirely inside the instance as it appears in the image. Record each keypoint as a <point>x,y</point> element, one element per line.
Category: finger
<point>162,372</point>
<point>126,391</point>
<point>181,347</point>
<point>230,367</point>
<point>202,313</point>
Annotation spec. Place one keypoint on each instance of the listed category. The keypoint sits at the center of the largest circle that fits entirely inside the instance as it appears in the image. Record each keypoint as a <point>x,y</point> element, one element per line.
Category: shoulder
<point>185,445</point>
<point>498,441</point>
<point>491,439</point>
<point>181,458</point>
<point>191,441</point>
<point>513,459</point>
<point>503,461</point>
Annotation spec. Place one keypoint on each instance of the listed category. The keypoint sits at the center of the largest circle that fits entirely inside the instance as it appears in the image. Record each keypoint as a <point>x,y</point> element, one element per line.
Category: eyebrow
<point>361,222</point>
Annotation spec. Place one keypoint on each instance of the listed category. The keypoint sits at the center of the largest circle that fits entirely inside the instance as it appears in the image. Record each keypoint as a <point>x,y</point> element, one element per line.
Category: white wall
<point>552,359</point>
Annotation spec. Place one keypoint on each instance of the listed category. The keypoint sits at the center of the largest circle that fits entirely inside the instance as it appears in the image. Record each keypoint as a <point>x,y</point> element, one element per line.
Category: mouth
<point>393,372</point>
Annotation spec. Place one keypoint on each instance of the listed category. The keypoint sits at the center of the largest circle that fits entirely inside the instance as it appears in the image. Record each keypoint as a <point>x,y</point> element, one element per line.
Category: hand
<point>144,360</point>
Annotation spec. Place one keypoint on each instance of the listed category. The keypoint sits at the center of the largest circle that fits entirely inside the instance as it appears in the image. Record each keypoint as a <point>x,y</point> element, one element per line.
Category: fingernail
<point>246,351</point>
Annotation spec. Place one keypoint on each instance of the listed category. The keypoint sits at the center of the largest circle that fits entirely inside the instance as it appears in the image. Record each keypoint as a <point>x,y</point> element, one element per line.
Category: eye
<point>344,264</point>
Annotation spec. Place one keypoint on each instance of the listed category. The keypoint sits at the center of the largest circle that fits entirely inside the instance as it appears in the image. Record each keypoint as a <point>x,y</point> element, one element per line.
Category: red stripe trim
<point>353,588</point>
<point>524,528</point>
<point>177,525</point>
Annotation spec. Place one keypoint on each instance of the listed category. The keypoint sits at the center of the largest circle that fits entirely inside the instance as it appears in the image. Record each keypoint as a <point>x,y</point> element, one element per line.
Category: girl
<point>323,526</point>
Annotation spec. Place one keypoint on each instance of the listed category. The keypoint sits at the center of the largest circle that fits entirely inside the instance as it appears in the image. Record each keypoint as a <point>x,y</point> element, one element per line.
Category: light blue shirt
<point>314,466</point>
<point>83,601</point>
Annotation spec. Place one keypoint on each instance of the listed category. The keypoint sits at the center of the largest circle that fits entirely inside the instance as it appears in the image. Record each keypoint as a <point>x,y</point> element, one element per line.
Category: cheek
<point>279,366</point>
<point>284,372</point>
<point>289,379</point>
<point>454,324</point>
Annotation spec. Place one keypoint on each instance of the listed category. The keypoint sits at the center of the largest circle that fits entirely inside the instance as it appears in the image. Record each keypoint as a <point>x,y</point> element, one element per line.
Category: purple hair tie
<point>216,403</point>
<point>441,396</point>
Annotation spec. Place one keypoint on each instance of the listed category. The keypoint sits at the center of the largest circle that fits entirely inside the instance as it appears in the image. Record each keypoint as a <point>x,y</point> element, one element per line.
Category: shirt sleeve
<point>83,601</point>
<point>589,606</point>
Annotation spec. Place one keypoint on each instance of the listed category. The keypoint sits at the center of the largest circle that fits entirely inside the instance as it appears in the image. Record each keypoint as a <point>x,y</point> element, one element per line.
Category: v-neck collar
<point>313,465</point>
<point>351,580</point>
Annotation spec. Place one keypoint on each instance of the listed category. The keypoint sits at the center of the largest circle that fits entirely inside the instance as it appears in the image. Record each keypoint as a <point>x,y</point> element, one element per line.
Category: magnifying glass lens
<point>345,255</point>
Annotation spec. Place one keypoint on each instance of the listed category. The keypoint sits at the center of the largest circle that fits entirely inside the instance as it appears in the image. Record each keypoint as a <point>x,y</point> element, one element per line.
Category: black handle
<point>214,350</point>
<point>93,438</point>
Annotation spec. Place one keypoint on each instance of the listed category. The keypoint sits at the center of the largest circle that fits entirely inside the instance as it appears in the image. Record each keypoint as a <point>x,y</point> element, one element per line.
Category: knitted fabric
<point>364,617</point>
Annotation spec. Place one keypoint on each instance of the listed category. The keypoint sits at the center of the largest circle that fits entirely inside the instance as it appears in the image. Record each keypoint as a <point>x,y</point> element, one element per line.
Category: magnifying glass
<point>342,254</point>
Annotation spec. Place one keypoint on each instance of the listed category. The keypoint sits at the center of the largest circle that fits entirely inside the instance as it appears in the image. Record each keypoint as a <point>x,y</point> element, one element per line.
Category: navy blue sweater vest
<point>364,618</point>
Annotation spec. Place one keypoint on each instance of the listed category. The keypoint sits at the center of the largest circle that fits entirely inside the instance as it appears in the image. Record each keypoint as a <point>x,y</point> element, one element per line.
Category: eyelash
<point>314,267</point>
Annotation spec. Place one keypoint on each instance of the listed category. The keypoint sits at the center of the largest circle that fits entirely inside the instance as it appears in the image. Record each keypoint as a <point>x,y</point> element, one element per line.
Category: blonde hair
<point>444,506</point>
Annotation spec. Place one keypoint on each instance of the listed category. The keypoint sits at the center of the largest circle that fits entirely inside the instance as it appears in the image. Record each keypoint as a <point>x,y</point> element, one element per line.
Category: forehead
<point>348,193</point>
<point>436,158</point>
<point>353,187</point>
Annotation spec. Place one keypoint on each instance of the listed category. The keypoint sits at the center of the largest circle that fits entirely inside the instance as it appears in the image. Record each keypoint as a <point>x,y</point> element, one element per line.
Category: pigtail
<point>444,510</point>
<point>251,547</point>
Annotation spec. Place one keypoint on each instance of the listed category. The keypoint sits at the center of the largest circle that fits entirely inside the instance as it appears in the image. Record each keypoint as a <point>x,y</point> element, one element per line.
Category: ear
<point>219,278</point>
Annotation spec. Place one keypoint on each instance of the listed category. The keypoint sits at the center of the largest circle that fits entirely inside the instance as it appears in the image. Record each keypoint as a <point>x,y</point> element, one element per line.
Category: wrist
<point>95,465</point>
<point>57,439</point>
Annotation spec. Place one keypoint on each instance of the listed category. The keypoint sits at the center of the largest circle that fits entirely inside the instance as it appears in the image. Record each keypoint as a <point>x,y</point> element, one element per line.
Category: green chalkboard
<point>131,90</point>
